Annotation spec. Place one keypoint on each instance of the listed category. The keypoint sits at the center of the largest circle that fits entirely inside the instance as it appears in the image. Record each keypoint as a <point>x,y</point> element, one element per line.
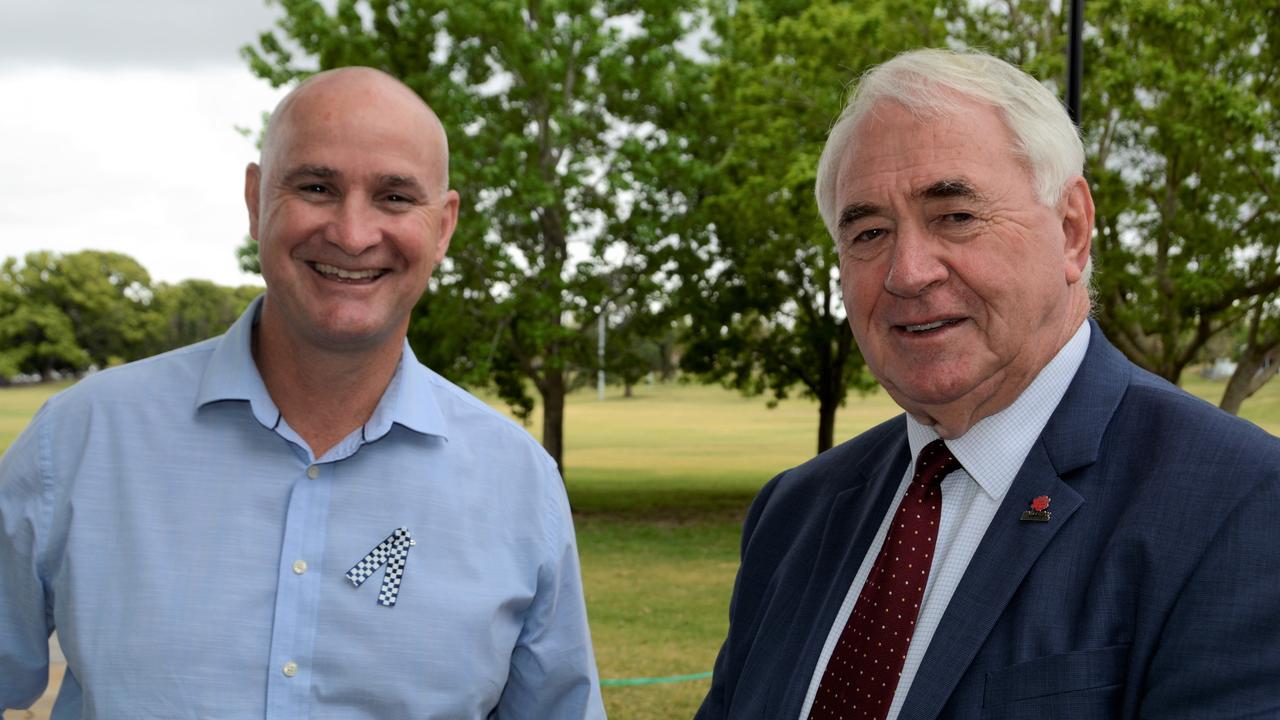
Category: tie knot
<point>935,463</point>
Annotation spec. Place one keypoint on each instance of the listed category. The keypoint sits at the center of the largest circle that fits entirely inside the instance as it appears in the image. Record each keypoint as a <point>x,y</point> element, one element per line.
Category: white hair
<point>931,83</point>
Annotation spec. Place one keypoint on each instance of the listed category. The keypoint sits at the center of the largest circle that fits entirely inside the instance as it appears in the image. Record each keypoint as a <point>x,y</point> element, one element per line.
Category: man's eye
<point>398,198</point>
<point>869,235</point>
<point>314,188</point>
<point>957,218</point>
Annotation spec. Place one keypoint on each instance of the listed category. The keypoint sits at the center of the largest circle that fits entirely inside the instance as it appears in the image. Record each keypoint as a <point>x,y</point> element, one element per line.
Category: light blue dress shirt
<point>191,553</point>
<point>991,453</point>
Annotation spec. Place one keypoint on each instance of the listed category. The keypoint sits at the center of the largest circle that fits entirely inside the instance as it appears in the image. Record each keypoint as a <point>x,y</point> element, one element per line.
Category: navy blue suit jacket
<point>1154,590</point>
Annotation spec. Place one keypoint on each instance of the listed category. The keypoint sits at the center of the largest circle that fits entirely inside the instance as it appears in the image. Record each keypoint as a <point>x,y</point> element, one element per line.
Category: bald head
<point>356,91</point>
<point>352,212</point>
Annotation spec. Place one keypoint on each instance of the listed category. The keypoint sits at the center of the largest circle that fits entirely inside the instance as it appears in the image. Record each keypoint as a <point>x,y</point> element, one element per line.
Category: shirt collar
<point>409,400</point>
<point>232,375</point>
<point>993,450</point>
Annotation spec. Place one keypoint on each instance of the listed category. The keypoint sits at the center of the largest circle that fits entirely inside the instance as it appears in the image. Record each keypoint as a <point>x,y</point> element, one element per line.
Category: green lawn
<point>17,405</point>
<point>659,484</point>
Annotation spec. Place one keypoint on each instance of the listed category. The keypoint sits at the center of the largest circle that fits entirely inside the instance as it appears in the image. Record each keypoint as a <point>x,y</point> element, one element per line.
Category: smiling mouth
<point>337,274</point>
<point>929,326</point>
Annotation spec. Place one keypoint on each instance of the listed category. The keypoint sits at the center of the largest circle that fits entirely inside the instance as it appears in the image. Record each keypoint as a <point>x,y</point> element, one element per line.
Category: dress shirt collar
<point>993,450</point>
<point>232,375</point>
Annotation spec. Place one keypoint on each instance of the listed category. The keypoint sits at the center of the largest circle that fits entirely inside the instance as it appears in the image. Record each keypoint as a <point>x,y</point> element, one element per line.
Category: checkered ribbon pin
<point>392,552</point>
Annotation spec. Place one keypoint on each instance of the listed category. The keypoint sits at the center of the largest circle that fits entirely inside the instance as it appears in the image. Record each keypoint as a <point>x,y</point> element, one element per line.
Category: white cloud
<point>138,33</point>
<point>141,161</point>
<point>118,129</point>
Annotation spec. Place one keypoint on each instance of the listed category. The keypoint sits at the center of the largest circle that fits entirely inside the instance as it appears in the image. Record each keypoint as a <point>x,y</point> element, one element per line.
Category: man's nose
<point>916,264</point>
<point>355,227</point>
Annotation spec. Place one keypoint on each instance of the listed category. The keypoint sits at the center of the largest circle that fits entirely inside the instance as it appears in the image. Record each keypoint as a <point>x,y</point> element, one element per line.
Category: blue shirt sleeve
<point>553,672</point>
<point>25,624</point>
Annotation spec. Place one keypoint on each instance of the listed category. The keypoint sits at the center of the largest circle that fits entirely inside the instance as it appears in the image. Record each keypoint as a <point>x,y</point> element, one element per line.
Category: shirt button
<point>290,669</point>
<point>313,472</point>
<point>299,566</point>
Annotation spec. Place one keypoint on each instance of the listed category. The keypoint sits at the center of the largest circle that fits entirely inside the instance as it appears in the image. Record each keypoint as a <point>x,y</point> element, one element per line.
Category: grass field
<point>659,484</point>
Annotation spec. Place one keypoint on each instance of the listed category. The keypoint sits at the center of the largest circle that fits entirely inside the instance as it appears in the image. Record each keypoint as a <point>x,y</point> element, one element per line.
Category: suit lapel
<point>853,518</point>
<point>1007,553</point>
<point>1071,440</point>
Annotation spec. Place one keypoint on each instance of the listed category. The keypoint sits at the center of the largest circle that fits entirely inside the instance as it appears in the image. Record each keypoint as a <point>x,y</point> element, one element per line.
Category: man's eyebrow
<point>407,182</point>
<point>856,211</point>
<point>310,171</point>
<point>949,188</point>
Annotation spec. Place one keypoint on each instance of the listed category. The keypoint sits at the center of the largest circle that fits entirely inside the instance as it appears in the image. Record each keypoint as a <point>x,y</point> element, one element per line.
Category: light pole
<point>1075,60</point>
<point>600,354</point>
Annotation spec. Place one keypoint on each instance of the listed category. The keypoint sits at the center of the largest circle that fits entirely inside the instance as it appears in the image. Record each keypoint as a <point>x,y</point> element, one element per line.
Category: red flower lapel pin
<point>1039,511</point>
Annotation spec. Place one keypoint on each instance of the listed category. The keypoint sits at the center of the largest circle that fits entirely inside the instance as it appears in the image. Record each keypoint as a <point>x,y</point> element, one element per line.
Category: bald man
<point>297,519</point>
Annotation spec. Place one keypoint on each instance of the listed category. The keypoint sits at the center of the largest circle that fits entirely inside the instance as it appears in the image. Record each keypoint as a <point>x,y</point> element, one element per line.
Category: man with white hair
<point>1075,537</point>
<point>297,519</point>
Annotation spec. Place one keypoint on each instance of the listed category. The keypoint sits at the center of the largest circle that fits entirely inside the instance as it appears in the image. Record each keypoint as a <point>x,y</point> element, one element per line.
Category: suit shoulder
<point>870,445</point>
<point>1175,444</point>
<point>835,469</point>
<point>1169,415</point>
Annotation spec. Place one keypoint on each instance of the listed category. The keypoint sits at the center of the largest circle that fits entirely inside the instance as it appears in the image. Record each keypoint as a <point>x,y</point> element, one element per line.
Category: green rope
<point>654,680</point>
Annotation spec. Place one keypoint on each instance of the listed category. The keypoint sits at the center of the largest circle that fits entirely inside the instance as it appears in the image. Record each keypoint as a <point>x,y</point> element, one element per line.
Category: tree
<point>761,278</point>
<point>638,334</point>
<point>1184,159</point>
<point>34,338</point>
<point>194,310</point>
<point>247,256</point>
<point>105,296</point>
<point>1182,135</point>
<point>557,111</point>
<point>1259,359</point>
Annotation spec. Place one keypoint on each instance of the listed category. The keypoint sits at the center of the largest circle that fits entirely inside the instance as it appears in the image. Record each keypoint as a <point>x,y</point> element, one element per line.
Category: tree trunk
<point>552,388</point>
<point>627,385</point>
<point>1248,378</point>
<point>826,423</point>
<point>1258,362</point>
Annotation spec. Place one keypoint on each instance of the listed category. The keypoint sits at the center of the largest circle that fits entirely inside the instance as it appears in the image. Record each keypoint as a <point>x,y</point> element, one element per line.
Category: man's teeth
<point>927,326</point>
<point>346,274</point>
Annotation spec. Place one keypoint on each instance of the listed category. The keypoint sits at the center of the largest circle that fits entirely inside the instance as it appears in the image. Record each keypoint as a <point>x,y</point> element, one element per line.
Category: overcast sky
<point>117,129</point>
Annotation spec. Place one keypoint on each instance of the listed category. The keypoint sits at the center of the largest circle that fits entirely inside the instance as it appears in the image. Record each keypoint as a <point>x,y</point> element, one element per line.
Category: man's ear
<point>448,223</point>
<point>252,195</point>
<point>1076,207</point>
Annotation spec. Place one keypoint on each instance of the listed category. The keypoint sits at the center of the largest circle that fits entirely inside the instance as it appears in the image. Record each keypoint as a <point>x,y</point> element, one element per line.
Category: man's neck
<point>324,395</point>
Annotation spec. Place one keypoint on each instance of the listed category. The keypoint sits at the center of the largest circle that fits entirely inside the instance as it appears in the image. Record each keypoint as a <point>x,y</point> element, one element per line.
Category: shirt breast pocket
<point>1078,684</point>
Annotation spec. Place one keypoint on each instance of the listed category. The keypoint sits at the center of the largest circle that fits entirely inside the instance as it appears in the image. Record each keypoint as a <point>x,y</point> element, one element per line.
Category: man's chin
<point>355,337</point>
<point>927,396</point>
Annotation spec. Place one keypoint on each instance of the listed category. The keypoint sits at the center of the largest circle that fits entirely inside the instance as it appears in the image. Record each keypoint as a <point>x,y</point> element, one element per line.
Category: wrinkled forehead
<point>924,146</point>
<point>351,114</point>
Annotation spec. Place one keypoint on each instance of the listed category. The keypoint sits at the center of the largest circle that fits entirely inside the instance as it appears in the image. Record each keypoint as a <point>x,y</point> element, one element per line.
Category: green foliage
<point>104,298</point>
<point>247,256</point>
<point>1183,153</point>
<point>557,110</point>
<point>194,310</point>
<point>760,271</point>
<point>1182,126</point>
<point>65,313</point>
<point>639,337</point>
<point>35,339</point>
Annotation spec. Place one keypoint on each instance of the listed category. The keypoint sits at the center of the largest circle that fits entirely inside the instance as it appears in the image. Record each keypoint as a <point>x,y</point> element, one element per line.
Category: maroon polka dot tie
<point>864,668</point>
